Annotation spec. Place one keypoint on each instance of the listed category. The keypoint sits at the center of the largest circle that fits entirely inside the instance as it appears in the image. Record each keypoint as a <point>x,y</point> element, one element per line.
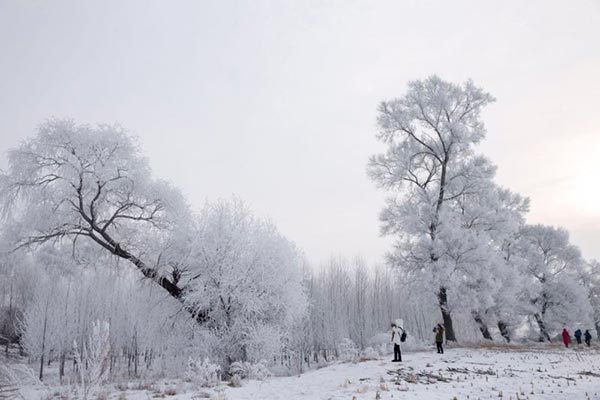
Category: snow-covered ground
<point>545,372</point>
<point>551,373</point>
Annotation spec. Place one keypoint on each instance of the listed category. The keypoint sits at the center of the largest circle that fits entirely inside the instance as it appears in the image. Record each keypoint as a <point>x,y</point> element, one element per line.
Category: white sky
<point>275,101</point>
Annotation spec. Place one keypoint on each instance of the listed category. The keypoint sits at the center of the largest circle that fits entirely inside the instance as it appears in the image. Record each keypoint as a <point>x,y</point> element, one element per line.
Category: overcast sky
<point>274,101</point>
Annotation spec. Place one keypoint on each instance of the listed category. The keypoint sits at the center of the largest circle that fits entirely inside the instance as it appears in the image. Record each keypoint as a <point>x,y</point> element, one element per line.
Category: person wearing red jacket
<point>566,337</point>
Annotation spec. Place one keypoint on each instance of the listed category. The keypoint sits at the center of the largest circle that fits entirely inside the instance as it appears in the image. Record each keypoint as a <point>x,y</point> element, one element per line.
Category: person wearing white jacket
<point>397,332</point>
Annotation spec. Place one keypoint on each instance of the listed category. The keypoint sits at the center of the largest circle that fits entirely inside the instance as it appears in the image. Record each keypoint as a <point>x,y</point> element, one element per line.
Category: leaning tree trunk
<point>447,318</point>
<point>482,325</point>
<point>543,331</point>
<point>503,327</point>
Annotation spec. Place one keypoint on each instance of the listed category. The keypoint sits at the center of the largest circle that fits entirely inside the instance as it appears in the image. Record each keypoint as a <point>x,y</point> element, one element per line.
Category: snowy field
<point>552,373</point>
<point>548,372</point>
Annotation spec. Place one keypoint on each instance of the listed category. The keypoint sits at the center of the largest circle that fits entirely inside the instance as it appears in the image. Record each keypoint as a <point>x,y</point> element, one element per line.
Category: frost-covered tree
<point>147,327</point>
<point>430,133</point>
<point>41,322</point>
<point>89,184</point>
<point>552,265</point>
<point>508,305</point>
<point>14,378</point>
<point>14,293</point>
<point>488,221</point>
<point>78,195</point>
<point>93,360</point>
<point>246,278</point>
<point>63,296</point>
<point>352,306</point>
<point>589,278</point>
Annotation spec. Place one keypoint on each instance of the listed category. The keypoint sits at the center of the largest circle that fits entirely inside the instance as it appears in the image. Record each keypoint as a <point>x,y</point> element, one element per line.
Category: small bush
<point>368,354</point>
<point>235,381</point>
<point>203,372</point>
<point>170,391</point>
<point>102,396</point>
<point>348,350</point>
<point>246,370</point>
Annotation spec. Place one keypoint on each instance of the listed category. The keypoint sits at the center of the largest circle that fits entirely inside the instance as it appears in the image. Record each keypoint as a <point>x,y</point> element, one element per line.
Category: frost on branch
<point>93,358</point>
<point>89,185</point>
<point>13,380</point>
<point>445,212</point>
<point>553,266</point>
<point>247,276</point>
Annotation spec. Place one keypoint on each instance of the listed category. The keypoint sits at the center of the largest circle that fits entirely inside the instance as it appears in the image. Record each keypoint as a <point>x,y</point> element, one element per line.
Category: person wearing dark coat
<point>587,336</point>
<point>577,335</point>
<point>566,337</point>
<point>439,338</point>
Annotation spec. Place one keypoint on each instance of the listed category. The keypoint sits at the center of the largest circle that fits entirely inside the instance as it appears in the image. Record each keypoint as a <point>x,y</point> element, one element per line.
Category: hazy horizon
<point>275,102</point>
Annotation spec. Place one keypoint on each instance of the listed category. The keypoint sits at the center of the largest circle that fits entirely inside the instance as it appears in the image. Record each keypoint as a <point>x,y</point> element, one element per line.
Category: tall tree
<point>552,265</point>
<point>92,184</point>
<point>486,221</point>
<point>589,278</point>
<point>249,277</point>
<point>430,133</point>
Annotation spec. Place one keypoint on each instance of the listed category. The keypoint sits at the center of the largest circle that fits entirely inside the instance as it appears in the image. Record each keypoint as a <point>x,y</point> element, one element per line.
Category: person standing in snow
<point>566,337</point>
<point>577,335</point>
<point>397,336</point>
<point>587,336</point>
<point>439,338</point>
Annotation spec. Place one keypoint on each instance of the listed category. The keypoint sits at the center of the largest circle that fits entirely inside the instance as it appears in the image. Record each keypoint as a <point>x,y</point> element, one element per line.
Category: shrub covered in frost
<point>246,370</point>
<point>348,351</point>
<point>235,381</point>
<point>369,354</point>
<point>381,343</point>
<point>263,342</point>
<point>14,380</point>
<point>203,372</point>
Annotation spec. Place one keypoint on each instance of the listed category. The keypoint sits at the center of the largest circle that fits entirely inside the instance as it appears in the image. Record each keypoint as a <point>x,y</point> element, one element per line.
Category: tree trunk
<point>442,294</point>
<point>504,331</point>
<point>100,236</point>
<point>543,331</point>
<point>10,317</point>
<point>447,318</point>
<point>61,368</point>
<point>482,325</point>
<point>597,325</point>
<point>41,375</point>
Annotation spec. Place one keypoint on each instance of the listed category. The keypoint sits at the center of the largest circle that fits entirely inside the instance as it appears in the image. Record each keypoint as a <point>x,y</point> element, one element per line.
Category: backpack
<point>403,336</point>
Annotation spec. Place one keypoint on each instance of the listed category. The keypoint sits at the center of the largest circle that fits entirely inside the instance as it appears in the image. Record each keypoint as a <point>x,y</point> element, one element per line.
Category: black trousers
<point>440,349</point>
<point>397,353</point>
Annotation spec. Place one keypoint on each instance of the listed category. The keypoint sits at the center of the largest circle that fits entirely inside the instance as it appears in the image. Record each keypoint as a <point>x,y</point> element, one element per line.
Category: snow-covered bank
<point>516,372</point>
<point>549,373</point>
